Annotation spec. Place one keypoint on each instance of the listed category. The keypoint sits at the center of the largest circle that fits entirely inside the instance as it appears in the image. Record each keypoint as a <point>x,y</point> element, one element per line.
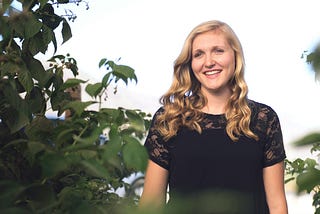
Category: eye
<point>218,51</point>
<point>197,54</point>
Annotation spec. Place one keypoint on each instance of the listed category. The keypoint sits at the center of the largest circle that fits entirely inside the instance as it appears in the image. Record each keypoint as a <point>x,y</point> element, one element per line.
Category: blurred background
<point>148,36</point>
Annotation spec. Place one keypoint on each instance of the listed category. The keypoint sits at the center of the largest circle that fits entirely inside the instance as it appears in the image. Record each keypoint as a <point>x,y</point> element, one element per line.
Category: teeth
<point>211,72</point>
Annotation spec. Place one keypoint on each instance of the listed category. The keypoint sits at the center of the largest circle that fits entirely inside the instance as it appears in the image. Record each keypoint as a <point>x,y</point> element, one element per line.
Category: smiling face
<point>213,62</point>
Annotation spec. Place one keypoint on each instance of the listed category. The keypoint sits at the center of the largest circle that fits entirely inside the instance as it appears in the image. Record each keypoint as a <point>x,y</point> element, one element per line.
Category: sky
<point>148,35</point>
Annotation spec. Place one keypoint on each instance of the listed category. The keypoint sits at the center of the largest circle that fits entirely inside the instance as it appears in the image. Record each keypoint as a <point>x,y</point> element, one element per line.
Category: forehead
<point>209,39</point>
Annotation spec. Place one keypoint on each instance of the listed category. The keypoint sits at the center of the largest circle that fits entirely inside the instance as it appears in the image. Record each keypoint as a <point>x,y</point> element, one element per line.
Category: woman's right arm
<point>155,187</point>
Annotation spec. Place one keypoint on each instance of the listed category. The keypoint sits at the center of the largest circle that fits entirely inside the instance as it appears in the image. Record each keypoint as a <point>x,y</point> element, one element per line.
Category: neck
<point>216,102</point>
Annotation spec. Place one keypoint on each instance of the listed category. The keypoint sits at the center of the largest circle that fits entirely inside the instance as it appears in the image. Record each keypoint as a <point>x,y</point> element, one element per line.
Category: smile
<point>212,72</point>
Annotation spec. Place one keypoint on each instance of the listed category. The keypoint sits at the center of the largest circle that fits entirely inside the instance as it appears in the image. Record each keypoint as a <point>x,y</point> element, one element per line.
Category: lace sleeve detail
<point>269,125</point>
<point>156,147</point>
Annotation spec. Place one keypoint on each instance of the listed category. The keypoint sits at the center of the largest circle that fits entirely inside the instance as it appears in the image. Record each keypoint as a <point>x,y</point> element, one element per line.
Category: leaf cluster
<point>60,165</point>
<point>306,173</point>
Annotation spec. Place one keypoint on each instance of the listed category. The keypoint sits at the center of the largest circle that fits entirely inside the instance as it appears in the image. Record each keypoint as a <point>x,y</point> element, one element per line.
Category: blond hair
<point>183,101</point>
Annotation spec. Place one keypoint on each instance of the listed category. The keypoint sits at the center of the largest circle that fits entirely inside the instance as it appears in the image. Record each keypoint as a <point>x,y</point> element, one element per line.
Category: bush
<point>53,165</point>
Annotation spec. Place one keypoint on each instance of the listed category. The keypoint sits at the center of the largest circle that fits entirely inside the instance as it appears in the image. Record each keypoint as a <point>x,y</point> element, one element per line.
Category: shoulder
<point>264,120</point>
<point>158,112</point>
<point>261,110</point>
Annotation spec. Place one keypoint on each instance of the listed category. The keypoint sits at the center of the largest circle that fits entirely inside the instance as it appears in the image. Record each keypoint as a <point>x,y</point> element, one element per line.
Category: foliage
<point>306,172</point>
<point>313,58</point>
<point>53,165</point>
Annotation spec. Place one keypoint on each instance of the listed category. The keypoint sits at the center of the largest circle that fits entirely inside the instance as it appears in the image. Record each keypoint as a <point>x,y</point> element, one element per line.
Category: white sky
<point>148,36</point>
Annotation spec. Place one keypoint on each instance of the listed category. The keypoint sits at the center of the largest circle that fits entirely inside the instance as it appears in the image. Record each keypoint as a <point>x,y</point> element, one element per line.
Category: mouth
<point>213,72</point>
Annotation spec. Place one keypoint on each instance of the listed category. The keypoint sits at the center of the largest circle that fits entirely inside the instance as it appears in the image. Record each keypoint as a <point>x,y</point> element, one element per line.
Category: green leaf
<point>63,1</point>
<point>52,164</point>
<point>48,17</point>
<point>95,168</point>
<point>79,146</point>
<point>38,72</point>
<point>135,120</point>
<point>105,80</point>
<point>25,78</point>
<point>43,2</point>
<point>40,196</point>
<point>114,133</point>
<point>308,180</point>
<point>63,136</point>
<point>36,101</point>
<point>77,106</point>
<point>72,82</point>
<point>102,62</point>
<point>36,44</point>
<point>55,44</point>
<point>58,100</point>
<point>309,139</point>
<point>135,155</point>
<point>57,57</point>
<point>66,31</point>
<point>35,147</point>
<point>311,163</point>
<point>111,153</point>
<point>39,129</point>
<point>18,114</point>
<point>94,89</point>
<point>47,35</point>
<point>26,24</point>
<point>91,137</point>
<point>15,120</point>
<point>122,72</point>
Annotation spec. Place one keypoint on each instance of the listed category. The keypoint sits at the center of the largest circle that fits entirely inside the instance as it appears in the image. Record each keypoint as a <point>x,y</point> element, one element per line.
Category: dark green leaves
<point>78,107</point>
<point>122,72</point>
<point>309,180</point>
<point>66,31</point>
<point>25,24</point>
<point>72,82</point>
<point>115,73</point>
<point>94,89</point>
<point>135,155</point>
<point>72,164</point>
<point>15,112</point>
<point>309,139</point>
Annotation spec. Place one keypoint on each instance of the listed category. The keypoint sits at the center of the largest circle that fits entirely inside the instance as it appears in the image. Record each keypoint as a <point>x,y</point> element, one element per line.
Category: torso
<point>210,165</point>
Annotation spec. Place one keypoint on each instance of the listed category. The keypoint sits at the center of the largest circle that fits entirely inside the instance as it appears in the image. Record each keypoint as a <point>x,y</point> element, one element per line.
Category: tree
<point>58,166</point>
<point>306,172</point>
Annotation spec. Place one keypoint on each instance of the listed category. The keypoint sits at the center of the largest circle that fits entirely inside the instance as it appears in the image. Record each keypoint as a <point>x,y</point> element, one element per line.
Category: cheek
<point>195,66</point>
<point>230,62</point>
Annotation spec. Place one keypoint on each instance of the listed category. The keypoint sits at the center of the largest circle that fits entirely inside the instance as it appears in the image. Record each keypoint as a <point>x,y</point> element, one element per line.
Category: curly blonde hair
<point>183,102</point>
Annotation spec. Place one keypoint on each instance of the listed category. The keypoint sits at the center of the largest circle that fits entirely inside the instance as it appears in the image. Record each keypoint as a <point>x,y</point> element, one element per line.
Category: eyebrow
<point>213,47</point>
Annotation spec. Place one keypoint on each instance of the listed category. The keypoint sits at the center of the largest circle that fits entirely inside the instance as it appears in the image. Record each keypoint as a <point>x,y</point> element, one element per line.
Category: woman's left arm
<point>273,177</point>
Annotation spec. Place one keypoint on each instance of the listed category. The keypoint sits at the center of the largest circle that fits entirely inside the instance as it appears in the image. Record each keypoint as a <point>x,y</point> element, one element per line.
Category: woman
<point>217,150</point>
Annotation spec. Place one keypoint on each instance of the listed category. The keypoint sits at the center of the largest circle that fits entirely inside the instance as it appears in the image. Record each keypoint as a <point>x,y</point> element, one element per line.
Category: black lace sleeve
<point>156,147</point>
<point>268,123</point>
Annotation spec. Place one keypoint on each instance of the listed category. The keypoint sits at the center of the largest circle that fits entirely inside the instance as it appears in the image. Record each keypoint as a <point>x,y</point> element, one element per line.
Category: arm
<point>273,177</point>
<point>155,186</point>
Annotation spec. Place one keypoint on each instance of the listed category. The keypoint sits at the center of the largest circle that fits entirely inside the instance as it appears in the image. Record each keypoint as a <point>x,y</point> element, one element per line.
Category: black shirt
<point>209,173</point>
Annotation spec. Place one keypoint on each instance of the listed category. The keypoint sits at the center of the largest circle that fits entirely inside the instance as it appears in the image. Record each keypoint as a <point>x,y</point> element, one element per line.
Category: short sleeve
<point>274,151</point>
<point>156,146</point>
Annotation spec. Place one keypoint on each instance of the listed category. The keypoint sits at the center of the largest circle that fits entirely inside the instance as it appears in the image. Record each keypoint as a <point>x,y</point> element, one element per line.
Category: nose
<point>209,61</point>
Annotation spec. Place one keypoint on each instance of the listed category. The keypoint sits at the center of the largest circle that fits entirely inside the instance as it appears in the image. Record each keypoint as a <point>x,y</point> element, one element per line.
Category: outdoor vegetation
<point>74,165</point>
<point>71,165</point>
<point>306,172</point>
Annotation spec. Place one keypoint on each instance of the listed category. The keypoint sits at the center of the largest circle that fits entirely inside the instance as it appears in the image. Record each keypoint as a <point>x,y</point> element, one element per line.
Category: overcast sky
<point>148,36</point>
